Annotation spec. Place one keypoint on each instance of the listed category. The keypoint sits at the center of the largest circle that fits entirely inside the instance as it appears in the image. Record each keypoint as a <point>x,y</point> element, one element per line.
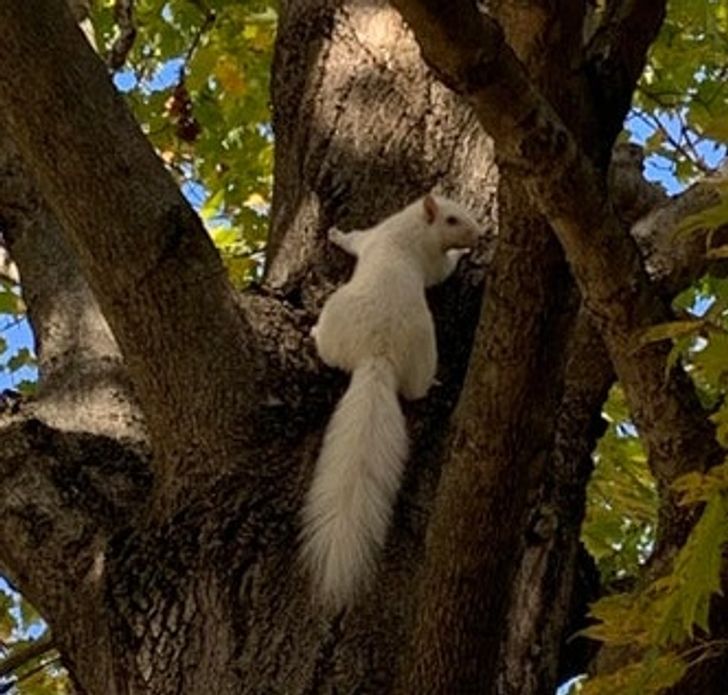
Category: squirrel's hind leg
<point>418,373</point>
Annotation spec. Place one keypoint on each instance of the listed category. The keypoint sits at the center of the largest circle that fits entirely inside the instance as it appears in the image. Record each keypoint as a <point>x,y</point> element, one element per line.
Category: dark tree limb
<point>539,651</point>
<point>150,264</point>
<point>616,55</point>
<point>502,427</point>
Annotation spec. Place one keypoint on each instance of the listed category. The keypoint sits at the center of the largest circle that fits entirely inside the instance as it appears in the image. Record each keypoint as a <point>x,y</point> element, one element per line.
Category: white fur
<point>378,327</point>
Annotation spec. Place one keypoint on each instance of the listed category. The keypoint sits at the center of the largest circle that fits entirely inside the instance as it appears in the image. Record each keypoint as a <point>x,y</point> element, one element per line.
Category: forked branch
<point>467,49</point>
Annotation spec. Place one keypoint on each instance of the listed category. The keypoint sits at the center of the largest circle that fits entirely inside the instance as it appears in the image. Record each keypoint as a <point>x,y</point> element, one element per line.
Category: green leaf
<point>29,616</point>
<point>226,78</point>
<point>695,487</point>
<point>622,499</point>
<point>11,303</point>
<point>27,387</point>
<point>22,358</point>
<point>8,623</point>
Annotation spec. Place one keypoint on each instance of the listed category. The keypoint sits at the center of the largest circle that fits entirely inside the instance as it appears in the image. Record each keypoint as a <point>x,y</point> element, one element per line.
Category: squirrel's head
<point>453,225</point>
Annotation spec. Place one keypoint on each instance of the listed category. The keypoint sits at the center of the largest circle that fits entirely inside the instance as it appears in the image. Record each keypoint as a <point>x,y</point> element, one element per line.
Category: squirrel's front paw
<point>456,254</point>
<point>336,236</point>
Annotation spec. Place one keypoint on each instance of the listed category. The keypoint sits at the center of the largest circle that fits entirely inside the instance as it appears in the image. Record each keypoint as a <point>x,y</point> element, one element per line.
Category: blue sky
<point>18,335</point>
<point>659,169</point>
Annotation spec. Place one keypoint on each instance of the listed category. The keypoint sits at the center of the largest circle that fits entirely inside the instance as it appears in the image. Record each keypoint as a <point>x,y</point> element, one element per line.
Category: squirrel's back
<point>378,327</point>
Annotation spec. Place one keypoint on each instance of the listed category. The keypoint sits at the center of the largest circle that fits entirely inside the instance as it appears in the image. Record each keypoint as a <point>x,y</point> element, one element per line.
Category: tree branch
<point>468,51</point>
<point>22,656</point>
<point>673,260</point>
<point>145,254</point>
<point>616,55</point>
<point>548,573</point>
<point>83,383</point>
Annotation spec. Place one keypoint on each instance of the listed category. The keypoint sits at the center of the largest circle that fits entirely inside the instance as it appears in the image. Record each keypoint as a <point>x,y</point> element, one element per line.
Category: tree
<point>151,487</point>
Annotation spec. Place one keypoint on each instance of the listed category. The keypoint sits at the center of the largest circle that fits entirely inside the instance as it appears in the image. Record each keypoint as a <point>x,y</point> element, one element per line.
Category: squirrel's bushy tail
<point>349,505</point>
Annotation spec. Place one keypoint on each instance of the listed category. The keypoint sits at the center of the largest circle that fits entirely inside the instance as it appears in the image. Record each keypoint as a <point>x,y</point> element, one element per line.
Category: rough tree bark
<point>149,496</point>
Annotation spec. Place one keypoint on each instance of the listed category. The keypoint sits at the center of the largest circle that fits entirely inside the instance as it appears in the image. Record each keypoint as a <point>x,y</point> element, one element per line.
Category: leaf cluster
<point>656,624</point>
<point>621,517</point>
<point>683,94</point>
<point>20,627</point>
<point>197,79</point>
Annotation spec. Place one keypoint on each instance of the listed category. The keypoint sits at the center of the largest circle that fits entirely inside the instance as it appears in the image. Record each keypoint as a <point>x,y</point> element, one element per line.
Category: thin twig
<point>124,18</point>
<point>210,17</point>
<point>40,646</point>
<point>655,122</point>
<point>30,674</point>
<point>685,132</point>
<point>12,323</point>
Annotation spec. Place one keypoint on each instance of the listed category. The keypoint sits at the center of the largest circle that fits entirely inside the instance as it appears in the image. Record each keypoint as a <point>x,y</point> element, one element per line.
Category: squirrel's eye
<point>450,219</point>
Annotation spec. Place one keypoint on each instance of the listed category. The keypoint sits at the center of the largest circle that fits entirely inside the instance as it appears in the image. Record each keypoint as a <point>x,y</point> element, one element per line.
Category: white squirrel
<point>378,327</point>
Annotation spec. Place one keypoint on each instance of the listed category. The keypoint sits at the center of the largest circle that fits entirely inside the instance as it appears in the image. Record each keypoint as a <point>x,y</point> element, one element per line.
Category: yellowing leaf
<point>255,200</point>
<point>7,621</point>
<point>224,237</point>
<point>240,269</point>
<point>230,75</point>
<point>212,205</point>
<point>203,63</point>
<point>649,676</point>
<point>696,575</point>
<point>700,487</point>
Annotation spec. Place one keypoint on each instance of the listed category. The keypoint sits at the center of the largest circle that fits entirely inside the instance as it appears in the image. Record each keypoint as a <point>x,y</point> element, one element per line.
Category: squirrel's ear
<point>430,205</point>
